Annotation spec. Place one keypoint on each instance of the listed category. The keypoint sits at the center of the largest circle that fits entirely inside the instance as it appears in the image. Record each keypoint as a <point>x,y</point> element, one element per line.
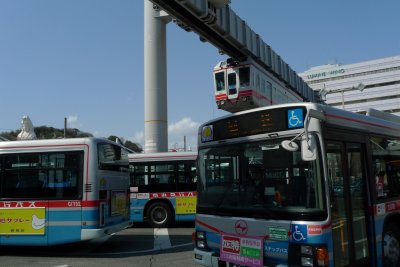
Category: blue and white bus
<point>62,191</point>
<point>299,185</point>
<point>163,187</point>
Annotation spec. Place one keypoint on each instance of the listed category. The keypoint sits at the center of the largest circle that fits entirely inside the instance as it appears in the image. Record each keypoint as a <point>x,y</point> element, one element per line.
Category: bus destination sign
<point>254,123</point>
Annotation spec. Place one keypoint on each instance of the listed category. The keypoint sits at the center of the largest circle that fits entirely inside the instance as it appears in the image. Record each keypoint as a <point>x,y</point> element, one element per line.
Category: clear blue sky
<point>84,59</point>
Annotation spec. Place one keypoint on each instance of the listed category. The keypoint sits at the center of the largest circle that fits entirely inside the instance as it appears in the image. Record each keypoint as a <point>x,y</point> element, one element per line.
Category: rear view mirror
<point>308,148</point>
<point>289,145</point>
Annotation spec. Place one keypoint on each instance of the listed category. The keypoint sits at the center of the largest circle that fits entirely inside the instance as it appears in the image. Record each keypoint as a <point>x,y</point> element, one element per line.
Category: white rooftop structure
<point>359,86</point>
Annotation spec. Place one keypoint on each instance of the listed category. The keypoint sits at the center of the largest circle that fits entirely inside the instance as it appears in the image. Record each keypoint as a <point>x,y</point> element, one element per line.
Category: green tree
<point>114,138</point>
<point>133,146</point>
<point>129,144</point>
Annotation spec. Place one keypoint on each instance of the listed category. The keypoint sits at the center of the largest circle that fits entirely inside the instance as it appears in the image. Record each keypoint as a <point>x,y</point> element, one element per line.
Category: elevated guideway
<point>214,21</point>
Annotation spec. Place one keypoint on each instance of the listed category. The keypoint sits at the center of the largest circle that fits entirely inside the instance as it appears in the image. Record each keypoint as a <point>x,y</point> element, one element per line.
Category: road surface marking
<point>161,239</point>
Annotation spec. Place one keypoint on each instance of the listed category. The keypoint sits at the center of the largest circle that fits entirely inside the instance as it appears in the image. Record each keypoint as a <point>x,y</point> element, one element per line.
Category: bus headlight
<point>200,239</point>
<point>306,250</point>
<point>306,255</point>
<point>306,261</point>
<point>310,255</point>
<point>199,235</point>
<point>200,244</point>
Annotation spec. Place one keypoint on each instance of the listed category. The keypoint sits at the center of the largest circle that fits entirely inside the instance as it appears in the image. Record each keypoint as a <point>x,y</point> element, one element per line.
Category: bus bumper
<point>205,258</point>
<point>88,234</point>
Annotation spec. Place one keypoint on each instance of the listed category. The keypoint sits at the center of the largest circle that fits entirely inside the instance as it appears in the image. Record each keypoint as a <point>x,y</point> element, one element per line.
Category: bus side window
<point>385,157</point>
<point>171,180</point>
<point>394,181</point>
<point>29,181</point>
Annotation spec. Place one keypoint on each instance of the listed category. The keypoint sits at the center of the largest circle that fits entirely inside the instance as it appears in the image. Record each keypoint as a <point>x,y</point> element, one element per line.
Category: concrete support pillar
<point>155,80</point>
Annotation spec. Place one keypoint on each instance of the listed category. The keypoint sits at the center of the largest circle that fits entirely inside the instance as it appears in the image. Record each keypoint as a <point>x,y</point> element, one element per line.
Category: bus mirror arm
<point>308,143</point>
<point>308,148</point>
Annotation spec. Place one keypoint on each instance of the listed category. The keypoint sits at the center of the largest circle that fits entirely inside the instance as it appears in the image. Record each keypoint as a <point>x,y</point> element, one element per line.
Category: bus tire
<point>391,246</point>
<point>159,215</point>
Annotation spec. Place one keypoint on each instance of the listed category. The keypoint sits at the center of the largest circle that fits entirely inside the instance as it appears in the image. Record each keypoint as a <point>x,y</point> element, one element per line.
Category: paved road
<point>138,246</point>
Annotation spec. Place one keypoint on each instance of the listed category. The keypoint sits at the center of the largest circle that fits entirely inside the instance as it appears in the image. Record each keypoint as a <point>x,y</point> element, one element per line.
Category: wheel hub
<point>159,215</point>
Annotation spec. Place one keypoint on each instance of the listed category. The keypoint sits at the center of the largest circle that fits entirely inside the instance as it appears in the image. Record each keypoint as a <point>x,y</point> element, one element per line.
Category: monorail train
<point>244,85</point>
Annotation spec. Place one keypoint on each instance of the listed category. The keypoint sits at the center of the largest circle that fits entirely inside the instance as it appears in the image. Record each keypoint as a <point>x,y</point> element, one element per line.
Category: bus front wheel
<point>391,246</point>
<point>159,215</point>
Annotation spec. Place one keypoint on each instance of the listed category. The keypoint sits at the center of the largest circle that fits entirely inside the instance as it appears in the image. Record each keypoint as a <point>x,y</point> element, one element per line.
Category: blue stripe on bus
<point>185,217</point>
<point>64,216</point>
<point>136,209</point>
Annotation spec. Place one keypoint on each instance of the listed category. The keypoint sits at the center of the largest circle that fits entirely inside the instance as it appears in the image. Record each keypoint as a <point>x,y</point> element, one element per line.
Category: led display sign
<point>254,123</point>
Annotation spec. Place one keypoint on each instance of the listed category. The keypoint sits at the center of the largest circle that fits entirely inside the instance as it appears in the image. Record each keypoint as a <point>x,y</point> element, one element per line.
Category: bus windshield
<point>259,179</point>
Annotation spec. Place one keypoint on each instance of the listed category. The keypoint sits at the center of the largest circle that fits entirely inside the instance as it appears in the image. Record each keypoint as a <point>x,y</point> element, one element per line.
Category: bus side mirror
<point>308,148</point>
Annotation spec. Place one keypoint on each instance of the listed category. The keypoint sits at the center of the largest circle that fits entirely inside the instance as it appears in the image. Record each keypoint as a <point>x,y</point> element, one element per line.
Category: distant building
<point>359,86</point>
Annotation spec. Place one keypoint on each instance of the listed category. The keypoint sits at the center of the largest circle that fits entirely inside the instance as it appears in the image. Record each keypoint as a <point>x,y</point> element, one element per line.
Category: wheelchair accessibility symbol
<point>295,118</point>
<point>299,233</point>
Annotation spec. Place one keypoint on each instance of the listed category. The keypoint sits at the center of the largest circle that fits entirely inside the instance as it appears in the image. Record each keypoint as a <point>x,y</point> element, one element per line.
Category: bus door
<point>348,203</point>
<point>232,84</point>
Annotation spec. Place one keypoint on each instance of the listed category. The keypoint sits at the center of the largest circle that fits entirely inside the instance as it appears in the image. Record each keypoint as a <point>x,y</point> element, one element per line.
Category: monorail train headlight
<point>247,99</point>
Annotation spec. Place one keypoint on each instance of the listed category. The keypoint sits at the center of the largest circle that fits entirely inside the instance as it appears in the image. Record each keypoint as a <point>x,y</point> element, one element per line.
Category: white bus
<point>62,190</point>
<point>299,185</point>
<point>163,187</point>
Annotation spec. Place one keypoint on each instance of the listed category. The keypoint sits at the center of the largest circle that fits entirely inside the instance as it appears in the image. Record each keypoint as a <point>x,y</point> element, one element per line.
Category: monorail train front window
<point>219,81</point>
<point>232,83</point>
<point>259,179</point>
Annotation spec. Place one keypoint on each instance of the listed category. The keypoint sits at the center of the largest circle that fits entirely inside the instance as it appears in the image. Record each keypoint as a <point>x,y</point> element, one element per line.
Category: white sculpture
<point>27,129</point>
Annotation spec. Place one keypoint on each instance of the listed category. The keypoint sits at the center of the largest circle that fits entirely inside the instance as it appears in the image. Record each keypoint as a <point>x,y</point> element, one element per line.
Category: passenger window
<point>386,167</point>
<point>45,175</point>
<point>244,76</point>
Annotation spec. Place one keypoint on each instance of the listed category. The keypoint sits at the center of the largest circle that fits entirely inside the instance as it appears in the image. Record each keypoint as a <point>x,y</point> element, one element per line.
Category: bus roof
<point>375,122</point>
<point>162,156</point>
<point>43,143</point>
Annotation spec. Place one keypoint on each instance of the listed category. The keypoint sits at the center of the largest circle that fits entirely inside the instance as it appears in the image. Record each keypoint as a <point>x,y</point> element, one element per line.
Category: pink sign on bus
<point>242,250</point>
